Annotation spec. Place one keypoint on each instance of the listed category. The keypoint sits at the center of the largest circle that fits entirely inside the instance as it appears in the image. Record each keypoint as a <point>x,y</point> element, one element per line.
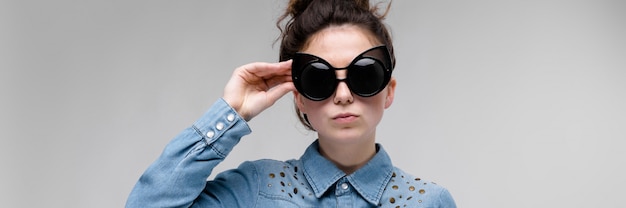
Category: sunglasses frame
<point>379,54</point>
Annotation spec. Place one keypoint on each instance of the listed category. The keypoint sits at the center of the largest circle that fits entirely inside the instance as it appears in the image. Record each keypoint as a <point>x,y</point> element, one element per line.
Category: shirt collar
<point>369,181</point>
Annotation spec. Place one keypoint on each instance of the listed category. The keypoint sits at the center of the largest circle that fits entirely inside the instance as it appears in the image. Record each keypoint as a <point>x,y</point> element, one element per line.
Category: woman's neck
<point>348,157</point>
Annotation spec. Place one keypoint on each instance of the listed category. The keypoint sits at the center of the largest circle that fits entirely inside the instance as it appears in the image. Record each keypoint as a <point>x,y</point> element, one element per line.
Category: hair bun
<point>296,7</point>
<point>363,4</point>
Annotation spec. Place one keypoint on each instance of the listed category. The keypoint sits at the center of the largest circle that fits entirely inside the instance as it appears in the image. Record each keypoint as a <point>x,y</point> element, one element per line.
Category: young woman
<point>337,59</point>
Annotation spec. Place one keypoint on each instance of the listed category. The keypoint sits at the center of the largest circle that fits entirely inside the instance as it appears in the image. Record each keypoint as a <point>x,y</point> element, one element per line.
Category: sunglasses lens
<point>366,77</point>
<point>318,81</point>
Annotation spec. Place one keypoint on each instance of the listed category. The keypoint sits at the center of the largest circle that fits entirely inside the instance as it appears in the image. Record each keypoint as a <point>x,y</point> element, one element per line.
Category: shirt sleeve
<point>178,176</point>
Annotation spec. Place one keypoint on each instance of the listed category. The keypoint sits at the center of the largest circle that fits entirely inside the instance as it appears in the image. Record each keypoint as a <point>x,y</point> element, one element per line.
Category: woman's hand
<point>255,87</point>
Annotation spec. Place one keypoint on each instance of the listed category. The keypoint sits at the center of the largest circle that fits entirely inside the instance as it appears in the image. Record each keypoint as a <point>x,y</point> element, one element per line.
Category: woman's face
<point>344,117</point>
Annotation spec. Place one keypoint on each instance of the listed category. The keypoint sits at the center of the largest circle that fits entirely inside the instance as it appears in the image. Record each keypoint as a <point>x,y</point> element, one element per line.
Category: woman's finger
<point>279,91</point>
<point>265,70</point>
<point>276,80</point>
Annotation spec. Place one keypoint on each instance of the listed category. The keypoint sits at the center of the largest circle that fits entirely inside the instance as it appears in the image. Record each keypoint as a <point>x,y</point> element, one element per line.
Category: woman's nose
<point>343,95</point>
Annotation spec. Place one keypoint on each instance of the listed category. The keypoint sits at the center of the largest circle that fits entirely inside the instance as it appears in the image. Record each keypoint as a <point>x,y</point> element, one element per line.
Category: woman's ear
<point>391,89</point>
<point>299,102</point>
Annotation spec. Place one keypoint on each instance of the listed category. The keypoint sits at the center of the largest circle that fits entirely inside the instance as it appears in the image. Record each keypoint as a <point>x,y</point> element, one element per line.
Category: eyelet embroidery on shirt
<point>297,189</point>
<point>400,192</point>
<point>397,185</point>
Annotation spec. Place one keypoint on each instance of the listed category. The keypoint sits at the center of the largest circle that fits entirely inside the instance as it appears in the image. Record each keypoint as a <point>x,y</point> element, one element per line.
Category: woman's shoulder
<point>287,172</point>
<point>282,179</point>
<point>271,165</point>
<point>407,189</point>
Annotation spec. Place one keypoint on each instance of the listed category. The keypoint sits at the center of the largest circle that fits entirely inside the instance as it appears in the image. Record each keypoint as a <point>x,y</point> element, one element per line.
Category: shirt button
<point>230,117</point>
<point>210,134</point>
<point>344,186</point>
<point>219,126</point>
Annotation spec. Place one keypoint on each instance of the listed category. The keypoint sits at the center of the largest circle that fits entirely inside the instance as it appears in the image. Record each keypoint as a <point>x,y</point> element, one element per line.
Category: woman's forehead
<point>339,45</point>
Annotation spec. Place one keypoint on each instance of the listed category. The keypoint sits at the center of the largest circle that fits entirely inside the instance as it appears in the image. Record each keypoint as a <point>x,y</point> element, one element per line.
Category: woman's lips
<point>345,118</point>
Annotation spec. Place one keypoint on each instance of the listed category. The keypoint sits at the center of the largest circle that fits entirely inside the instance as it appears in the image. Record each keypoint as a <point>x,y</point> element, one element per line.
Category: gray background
<point>506,103</point>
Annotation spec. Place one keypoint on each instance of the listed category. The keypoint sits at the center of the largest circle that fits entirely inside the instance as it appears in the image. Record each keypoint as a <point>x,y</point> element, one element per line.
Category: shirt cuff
<point>222,123</point>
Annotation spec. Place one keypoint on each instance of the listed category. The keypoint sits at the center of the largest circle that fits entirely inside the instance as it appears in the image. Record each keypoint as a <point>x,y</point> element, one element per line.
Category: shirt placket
<point>343,192</point>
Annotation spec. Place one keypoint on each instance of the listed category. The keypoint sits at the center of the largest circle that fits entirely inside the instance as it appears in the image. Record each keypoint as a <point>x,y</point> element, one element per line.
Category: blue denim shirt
<point>178,177</point>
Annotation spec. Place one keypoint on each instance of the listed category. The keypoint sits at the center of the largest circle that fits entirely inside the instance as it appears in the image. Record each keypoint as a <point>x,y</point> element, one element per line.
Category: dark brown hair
<point>307,17</point>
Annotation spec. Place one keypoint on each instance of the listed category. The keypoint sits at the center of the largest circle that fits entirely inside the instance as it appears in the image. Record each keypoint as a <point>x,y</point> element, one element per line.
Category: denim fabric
<point>178,177</point>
